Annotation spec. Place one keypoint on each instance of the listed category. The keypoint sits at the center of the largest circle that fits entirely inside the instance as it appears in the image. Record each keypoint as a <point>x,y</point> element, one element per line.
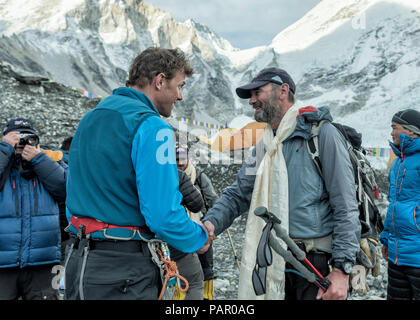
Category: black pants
<point>29,283</point>
<point>403,282</point>
<point>297,287</point>
<point>113,273</point>
<point>206,260</point>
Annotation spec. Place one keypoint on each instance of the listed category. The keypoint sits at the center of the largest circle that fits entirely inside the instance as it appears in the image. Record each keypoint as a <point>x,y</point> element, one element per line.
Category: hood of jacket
<point>307,116</point>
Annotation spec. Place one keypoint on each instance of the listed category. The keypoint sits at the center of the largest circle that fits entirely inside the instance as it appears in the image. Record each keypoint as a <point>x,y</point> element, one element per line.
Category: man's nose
<point>253,99</point>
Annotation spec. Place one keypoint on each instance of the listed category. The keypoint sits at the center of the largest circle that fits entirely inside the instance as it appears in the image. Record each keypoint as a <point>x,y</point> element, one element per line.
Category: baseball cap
<point>20,125</point>
<point>273,75</point>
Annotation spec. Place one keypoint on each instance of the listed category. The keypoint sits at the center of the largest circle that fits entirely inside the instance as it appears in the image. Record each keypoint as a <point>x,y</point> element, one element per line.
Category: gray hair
<point>290,98</point>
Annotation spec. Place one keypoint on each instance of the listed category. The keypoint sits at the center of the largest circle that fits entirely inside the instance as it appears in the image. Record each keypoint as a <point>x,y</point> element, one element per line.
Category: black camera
<point>28,138</point>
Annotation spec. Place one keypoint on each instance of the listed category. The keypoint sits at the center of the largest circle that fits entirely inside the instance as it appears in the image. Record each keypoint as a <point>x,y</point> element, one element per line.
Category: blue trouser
<point>110,270</point>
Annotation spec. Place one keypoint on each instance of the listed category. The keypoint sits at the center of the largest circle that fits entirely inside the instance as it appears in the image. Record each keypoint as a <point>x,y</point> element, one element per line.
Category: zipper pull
<point>126,285</point>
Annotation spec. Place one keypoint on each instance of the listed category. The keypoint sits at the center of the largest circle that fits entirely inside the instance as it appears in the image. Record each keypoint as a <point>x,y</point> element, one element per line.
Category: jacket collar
<point>408,145</point>
<point>137,95</point>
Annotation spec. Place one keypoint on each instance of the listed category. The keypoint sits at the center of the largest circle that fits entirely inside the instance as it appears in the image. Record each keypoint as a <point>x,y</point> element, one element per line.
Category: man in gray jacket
<point>323,211</point>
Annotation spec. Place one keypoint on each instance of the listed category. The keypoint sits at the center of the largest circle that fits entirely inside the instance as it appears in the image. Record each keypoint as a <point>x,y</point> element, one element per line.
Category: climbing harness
<point>296,257</point>
<point>159,251</point>
<point>169,274</point>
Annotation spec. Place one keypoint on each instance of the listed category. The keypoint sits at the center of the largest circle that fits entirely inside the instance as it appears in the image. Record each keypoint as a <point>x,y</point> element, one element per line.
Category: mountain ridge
<point>89,44</point>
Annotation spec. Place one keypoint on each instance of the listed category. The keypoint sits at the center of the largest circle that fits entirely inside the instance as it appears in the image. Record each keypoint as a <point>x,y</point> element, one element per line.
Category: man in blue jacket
<point>123,186</point>
<point>401,235</point>
<point>31,184</point>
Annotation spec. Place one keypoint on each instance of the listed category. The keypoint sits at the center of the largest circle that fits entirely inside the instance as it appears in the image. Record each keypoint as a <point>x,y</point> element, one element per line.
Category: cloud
<point>245,23</point>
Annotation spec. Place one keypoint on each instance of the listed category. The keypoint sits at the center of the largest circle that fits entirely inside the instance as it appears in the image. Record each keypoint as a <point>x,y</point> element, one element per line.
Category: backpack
<point>367,189</point>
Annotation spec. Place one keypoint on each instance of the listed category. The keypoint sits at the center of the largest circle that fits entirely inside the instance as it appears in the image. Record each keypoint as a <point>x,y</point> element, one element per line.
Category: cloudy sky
<point>245,23</point>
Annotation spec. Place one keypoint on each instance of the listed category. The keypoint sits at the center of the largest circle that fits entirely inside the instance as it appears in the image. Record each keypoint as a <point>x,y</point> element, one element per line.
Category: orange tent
<point>248,136</point>
<point>222,141</point>
<point>233,139</point>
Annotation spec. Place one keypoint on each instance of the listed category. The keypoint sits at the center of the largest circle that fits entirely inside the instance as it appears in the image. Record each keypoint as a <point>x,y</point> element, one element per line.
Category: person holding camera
<point>31,184</point>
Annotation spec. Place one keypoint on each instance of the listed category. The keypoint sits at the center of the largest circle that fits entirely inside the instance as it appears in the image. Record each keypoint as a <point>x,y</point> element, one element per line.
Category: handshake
<point>210,236</point>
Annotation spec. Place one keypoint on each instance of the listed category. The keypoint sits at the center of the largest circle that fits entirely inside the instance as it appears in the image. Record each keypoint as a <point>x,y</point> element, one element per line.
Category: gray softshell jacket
<point>318,206</point>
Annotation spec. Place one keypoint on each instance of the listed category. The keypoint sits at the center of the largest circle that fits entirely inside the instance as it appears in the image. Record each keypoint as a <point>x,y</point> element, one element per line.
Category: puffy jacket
<point>318,206</point>
<point>402,223</point>
<point>192,200</point>
<point>210,196</point>
<point>191,196</point>
<point>29,221</point>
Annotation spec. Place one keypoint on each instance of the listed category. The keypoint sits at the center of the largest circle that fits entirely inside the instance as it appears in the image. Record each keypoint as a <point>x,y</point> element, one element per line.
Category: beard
<point>269,110</point>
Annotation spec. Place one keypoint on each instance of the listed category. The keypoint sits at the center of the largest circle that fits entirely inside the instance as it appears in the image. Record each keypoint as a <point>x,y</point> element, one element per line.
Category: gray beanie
<point>408,119</point>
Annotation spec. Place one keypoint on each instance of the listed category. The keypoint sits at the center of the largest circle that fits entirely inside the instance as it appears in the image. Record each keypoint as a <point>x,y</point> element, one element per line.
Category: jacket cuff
<point>7,148</point>
<point>38,158</point>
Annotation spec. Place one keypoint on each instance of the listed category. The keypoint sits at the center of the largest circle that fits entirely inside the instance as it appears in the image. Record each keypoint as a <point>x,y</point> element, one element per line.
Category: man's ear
<point>159,79</point>
<point>283,91</point>
<point>285,87</point>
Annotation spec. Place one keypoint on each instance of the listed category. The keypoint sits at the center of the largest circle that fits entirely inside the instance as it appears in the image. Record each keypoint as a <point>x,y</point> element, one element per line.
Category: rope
<point>171,270</point>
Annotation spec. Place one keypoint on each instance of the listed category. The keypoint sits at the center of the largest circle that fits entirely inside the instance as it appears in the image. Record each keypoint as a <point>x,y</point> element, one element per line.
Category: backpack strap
<point>313,145</point>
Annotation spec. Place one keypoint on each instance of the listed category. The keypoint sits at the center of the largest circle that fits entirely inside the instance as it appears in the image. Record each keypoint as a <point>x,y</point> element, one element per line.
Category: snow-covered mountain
<point>89,44</point>
<point>360,57</point>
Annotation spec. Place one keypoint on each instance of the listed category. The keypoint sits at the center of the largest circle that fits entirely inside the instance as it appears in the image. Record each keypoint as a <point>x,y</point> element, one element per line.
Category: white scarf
<point>191,171</point>
<point>271,191</point>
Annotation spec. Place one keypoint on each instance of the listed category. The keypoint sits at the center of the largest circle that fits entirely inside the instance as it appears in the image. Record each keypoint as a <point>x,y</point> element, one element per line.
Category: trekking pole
<point>321,282</point>
<point>233,249</point>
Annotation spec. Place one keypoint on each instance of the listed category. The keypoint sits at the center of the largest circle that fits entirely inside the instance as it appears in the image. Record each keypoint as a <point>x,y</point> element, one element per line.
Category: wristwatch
<point>345,266</point>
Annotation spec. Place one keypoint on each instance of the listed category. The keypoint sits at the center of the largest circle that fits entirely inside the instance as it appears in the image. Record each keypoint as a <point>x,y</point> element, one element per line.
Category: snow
<point>45,15</point>
<point>327,17</point>
<point>331,95</point>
